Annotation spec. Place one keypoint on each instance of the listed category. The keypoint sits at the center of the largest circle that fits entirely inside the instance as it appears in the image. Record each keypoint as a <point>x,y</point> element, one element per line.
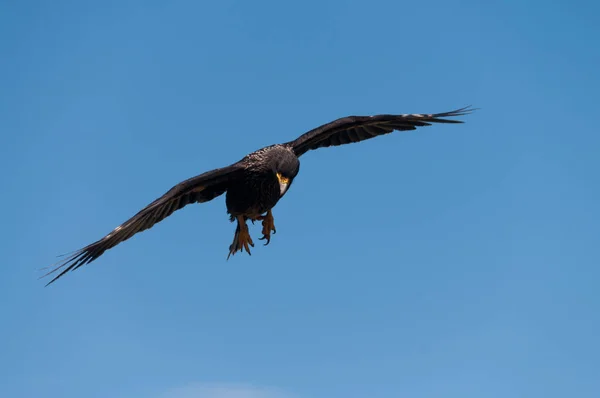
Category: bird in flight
<point>253,185</point>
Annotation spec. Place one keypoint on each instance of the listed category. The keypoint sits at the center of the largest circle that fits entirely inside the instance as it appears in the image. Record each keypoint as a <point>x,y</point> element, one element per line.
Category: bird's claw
<point>268,227</point>
<point>241,241</point>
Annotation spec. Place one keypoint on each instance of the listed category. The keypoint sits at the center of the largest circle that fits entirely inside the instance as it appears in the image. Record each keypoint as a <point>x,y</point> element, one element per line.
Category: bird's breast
<point>253,195</point>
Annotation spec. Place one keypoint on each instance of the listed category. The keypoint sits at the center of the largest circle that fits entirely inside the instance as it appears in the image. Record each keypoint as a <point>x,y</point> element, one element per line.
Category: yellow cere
<point>283,180</point>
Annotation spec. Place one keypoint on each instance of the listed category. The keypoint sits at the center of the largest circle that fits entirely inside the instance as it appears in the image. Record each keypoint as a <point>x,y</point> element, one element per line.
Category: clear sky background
<point>453,261</point>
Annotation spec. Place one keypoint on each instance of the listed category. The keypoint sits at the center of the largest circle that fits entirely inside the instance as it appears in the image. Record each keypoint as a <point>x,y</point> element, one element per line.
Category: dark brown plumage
<point>253,185</point>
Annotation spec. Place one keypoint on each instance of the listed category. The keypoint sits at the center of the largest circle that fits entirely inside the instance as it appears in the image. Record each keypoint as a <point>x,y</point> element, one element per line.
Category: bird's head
<point>286,168</point>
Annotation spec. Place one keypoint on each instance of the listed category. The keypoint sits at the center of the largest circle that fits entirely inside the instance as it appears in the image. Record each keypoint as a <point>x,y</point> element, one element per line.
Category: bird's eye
<point>282,180</point>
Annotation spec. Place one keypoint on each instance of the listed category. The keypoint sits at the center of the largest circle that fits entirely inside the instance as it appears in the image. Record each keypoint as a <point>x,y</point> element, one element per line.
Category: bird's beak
<point>282,188</point>
<point>283,183</point>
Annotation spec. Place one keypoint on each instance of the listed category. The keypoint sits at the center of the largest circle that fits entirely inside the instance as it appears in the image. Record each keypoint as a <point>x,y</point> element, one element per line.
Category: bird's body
<point>255,184</point>
<point>260,190</point>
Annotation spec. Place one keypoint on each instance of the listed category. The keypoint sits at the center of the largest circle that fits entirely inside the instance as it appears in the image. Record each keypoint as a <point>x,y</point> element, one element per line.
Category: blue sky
<point>452,261</point>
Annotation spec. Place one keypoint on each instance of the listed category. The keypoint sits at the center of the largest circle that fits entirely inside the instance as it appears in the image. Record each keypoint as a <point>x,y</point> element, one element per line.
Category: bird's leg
<point>241,239</point>
<point>268,224</point>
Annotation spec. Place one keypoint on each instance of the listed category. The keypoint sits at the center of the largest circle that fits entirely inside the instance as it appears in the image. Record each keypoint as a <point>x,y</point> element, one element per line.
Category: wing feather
<point>199,189</point>
<point>351,129</point>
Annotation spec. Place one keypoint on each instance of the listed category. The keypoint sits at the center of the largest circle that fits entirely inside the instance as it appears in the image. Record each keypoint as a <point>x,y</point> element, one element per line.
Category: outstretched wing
<point>197,189</point>
<point>359,128</point>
